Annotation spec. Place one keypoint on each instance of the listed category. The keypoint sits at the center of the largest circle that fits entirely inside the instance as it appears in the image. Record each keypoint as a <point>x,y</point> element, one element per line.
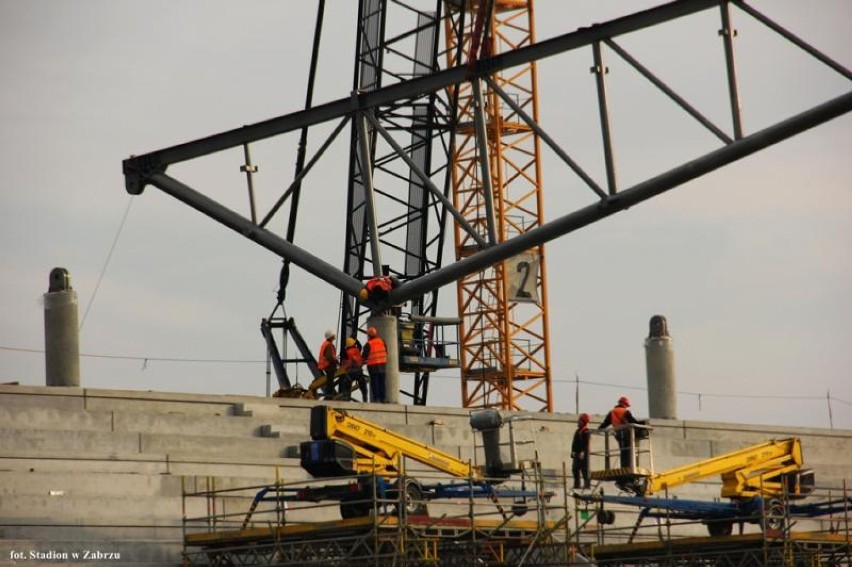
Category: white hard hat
<point>330,334</point>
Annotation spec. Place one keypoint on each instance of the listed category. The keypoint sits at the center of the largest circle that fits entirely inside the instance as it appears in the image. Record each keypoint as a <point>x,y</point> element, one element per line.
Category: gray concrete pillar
<point>660,362</point>
<point>387,329</point>
<point>61,331</point>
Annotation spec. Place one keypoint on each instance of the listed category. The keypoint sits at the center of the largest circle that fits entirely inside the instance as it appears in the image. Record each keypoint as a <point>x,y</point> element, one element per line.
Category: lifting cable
<point>284,277</point>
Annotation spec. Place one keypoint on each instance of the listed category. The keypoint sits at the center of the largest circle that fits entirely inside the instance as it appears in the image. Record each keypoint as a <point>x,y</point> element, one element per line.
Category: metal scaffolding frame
<point>292,531</point>
<point>240,530</point>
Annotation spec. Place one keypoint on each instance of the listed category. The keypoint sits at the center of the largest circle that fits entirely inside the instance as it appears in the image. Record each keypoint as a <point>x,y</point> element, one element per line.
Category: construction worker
<point>327,362</point>
<point>580,446</point>
<point>377,288</point>
<point>352,362</point>
<point>375,355</point>
<point>619,418</point>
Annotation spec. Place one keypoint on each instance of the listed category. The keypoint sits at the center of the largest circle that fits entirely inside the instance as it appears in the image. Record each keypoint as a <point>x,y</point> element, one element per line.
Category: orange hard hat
<point>583,418</point>
<point>372,332</point>
<point>623,401</point>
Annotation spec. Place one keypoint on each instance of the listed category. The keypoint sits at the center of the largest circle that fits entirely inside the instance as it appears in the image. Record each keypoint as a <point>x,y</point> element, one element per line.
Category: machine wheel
<point>606,517</point>
<point>519,508</point>
<point>412,499</point>
<point>774,515</point>
<point>718,528</point>
<point>354,509</point>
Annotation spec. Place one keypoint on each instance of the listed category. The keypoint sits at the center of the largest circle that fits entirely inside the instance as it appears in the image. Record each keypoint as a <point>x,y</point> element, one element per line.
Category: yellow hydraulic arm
<point>379,450</point>
<point>759,470</point>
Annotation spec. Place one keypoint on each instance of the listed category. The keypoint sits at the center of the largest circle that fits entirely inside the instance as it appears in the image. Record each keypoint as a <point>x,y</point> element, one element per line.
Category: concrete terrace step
<point>132,400</point>
<point>138,463</point>
<point>89,484</point>
<point>15,417</point>
<point>259,468</point>
<point>18,417</point>
<point>50,442</point>
<point>201,425</point>
<point>118,511</point>
<point>186,446</point>
<point>84,510</point>
<point>53,443</point>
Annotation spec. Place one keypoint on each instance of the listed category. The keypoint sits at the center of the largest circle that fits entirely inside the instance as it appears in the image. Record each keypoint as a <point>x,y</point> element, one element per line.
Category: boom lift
<point>768,469</point>
<point>758,480</point>
<point>345,445</point>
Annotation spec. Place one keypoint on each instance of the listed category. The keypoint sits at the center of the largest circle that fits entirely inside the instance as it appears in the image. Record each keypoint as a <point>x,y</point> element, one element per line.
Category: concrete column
<point>659,361</point>
<point>387,329</point>
<point>61,336</point>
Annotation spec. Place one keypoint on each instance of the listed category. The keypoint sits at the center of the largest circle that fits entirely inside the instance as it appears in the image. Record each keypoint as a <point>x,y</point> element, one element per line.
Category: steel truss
<point>383,102</point>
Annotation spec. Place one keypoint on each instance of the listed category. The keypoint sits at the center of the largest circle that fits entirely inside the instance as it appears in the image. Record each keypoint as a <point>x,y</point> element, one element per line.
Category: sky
<point>750,264</point>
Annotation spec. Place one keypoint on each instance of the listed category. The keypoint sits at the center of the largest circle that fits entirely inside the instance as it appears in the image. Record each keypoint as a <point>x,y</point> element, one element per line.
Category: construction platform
<point>383,540</point>
<point>746,550</point>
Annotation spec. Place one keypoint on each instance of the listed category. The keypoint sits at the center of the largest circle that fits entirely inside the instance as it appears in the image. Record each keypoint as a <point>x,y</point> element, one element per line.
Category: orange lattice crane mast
<point>496,180</point>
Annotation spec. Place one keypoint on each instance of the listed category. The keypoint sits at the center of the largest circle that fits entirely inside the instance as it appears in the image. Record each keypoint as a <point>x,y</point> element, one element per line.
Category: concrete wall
<point>84,469</point>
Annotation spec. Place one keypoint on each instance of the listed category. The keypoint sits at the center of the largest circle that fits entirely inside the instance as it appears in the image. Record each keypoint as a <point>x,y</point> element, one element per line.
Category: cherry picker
<point>759,482</point>
<point>344,445</point>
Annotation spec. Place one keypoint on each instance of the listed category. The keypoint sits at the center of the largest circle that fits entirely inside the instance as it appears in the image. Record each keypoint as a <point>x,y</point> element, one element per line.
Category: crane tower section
<point>496,181</point>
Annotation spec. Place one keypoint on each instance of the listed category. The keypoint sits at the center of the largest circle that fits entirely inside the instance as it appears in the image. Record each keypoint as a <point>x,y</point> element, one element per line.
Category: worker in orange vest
<point>580,446</point>
<point>327,362</point>
<point>352,362</point>
<point>377,288</point>
<point>619,418</point>
<point>375,355</point>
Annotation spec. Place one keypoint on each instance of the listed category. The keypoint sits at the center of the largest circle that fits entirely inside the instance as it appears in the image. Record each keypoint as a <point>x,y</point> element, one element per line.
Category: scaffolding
<point>284,527</point>
<point>666,530</point>
<point>802,541</point>
<point>555,527</point>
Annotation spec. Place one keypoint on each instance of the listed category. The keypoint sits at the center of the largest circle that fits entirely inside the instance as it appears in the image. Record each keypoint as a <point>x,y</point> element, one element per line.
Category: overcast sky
<point>751,264</point>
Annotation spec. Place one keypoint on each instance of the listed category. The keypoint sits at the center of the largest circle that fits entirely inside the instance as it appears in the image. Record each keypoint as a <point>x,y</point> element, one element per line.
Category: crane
<point>497,187</point>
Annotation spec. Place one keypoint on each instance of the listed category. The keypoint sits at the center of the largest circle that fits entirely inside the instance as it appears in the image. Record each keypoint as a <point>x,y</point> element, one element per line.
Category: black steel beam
<point>137,169</point>
<point>627,198</point>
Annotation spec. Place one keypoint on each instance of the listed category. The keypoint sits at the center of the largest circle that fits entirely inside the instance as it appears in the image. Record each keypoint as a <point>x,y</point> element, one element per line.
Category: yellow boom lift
<point>757,479</point>
<point>345,445</point>
<point>769,469</point>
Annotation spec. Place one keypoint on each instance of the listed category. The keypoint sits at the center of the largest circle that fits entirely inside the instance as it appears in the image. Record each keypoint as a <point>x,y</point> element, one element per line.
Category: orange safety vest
<point>381,283</point>
<point>378,352</point>
<point>353,357</point>
<point>323,361</point>
<point>618,416</point>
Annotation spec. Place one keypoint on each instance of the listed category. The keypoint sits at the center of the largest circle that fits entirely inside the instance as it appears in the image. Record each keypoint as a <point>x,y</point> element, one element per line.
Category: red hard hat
<point>584,417</point>
<point>623,401</point>
<point>372,332</point>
